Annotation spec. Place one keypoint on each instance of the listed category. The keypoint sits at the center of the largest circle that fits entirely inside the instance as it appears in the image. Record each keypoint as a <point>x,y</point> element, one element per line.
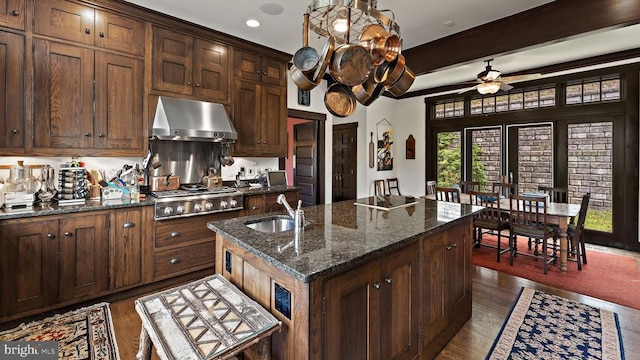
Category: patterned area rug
<point>545,326</point>
<point>86,333</point>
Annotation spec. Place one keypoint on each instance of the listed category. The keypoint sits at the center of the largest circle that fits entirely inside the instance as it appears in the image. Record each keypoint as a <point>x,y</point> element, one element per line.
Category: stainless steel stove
<point>193,200</point>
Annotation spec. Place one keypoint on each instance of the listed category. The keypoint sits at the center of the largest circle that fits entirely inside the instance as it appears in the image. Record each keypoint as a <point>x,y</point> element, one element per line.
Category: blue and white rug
<point>545,326</point>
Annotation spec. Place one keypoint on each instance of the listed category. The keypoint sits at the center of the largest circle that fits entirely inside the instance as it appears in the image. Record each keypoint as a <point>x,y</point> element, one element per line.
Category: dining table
<point>557,214</point>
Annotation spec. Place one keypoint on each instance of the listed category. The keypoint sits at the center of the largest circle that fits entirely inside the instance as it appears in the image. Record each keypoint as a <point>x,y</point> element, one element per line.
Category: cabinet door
<point>433,310</point>
<point>12,91</point>
<point>254,205</point>
<point>119,98</point>
<point>64,20</point>
<point>127,248</point>
<point>352,315</point>
<point>172,61</point>
<point>211,63</point>
<point>399,304</point>
<point>63,95</point>
<point>248,65</point>
<point>274,72</point>
<point>119,33</point>
<point>28,265</point>
<point>84,256</point>
<point>274,122</point>
<point>457,272</point>
<point>246,117</point>
<point>12,14</point>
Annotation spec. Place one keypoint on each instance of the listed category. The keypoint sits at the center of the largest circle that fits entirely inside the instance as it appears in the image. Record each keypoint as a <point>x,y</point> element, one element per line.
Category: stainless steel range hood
<point>189,120</point>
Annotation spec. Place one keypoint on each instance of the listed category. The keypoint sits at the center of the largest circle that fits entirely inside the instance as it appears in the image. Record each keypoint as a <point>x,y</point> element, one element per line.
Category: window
<point>449,158</point>
<point>449,109</point>
<point>593,90</point>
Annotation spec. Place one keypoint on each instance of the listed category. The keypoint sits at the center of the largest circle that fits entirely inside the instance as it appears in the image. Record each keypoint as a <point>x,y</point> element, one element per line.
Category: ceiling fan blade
<point>516,78</point>
<point>492,75</point>
<point>468,89</point>
<point>505,87</point>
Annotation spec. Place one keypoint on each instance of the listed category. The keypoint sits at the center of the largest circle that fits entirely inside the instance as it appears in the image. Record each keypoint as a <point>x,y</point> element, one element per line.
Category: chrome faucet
<point>282,200</point>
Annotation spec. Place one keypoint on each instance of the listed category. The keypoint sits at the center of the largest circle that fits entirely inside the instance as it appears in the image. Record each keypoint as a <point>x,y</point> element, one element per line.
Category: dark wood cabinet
<point>127,247</point>
<point>85,25</point>
<point>12,75</point>
<point>371,311</point>
<point>267,203</point>
<point>260,118</point>
<point>255,67</point>
<point>12,13</point>
<point>84,256</point>
<point>65,77</point>
<point>186,65</point>
<point>446,274</point>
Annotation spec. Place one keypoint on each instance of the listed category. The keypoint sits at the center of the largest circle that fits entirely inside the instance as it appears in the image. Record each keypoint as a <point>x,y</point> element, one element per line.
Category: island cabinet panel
<point>85,25</point>
<point>12,13</point>
<point>446,273</point>
<point>84,256</point>
<point>267,203</point>
<point>12,128</point>
<point>371,312</point>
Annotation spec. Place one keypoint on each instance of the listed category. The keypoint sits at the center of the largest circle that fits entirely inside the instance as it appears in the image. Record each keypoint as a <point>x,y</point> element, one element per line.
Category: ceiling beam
<point>542,25</point>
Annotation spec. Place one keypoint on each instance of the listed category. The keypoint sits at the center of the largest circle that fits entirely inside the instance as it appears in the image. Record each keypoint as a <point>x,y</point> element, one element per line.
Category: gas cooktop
<point>191,190</point>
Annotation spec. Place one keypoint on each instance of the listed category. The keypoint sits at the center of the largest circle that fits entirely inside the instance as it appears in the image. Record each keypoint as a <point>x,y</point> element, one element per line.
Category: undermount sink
<point>272,224</point>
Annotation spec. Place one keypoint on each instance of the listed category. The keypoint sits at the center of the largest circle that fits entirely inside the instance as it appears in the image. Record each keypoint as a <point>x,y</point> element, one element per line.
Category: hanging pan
<point>351,64</point>
<point>306,58</point>
<point>339,100</point>
<point>325,59</point>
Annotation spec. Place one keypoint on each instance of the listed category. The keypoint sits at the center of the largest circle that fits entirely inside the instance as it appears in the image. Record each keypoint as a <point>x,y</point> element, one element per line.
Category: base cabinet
<point>267,203</point>
<point>128,246</point>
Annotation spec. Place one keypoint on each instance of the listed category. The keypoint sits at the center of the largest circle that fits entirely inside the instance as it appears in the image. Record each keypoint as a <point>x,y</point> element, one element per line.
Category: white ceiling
<point>420,21</point>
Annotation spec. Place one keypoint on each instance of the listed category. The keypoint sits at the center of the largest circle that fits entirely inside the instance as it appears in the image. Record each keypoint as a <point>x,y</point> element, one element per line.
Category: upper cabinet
<point>12,14</point>
<point>250,66</point>
<point>186,65</point>
<point>12,134</point>
<point>86,25</point>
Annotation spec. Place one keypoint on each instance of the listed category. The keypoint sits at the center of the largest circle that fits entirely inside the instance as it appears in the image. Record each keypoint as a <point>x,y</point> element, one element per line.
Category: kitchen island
<point>358,282</point>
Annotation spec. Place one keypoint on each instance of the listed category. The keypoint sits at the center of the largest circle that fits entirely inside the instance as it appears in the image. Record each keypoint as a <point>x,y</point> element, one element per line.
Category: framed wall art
<point>384,133</point>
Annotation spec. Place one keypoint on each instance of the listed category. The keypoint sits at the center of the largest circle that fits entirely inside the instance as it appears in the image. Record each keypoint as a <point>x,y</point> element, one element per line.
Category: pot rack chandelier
<point>362,54</point>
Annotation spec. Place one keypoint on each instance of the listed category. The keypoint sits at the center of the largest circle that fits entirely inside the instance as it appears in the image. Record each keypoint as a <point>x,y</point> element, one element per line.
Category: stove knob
<point>197,208</point>
<point>168,210</point>
<point>223,204</point>
<point>179,210</point>
<point>208,206</point>
<point>233,203</point>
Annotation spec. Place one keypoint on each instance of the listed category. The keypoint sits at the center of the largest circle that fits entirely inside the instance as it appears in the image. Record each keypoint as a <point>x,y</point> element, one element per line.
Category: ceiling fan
<point>491,80</point>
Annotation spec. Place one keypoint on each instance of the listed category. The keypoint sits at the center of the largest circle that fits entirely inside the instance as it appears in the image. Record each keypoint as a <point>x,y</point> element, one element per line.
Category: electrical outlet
<point>251,171</point>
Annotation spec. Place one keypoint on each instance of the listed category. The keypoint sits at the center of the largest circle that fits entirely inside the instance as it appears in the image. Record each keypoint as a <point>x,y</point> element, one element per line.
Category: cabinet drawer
<point>174,261</point>
<point>172,232</point>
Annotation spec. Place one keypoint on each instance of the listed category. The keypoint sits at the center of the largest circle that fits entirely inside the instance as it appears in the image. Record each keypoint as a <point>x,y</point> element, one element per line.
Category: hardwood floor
<point>493,295</point>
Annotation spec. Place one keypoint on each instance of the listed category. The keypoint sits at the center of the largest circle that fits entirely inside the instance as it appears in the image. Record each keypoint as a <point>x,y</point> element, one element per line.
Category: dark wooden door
<point>127,248</point>
<point>211,64</point>
<point>172,61</point>
<point>344,162</point>
<point>84,256</point>
<point>11,91</point>
<point>400,287</point>
<point>306,161</point>
<point>246,117</point>
<point>350,324</point>
<point>28,265</point>
<point>273,121</point>
<point>63,95</point>
<point>12,14</point>
<point>65,20</point>
<point>119,102</point>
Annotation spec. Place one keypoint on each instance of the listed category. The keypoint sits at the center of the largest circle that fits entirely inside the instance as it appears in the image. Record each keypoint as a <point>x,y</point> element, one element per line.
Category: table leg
<point>564,245</point>
<point>144,350</point>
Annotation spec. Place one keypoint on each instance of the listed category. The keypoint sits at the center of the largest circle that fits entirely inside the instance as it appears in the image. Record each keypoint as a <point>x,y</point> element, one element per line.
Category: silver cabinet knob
<point>388,280</point>
<point>50,236</point>
<point>376,285</point>
<point>175,261</point>
<point>68,234</point>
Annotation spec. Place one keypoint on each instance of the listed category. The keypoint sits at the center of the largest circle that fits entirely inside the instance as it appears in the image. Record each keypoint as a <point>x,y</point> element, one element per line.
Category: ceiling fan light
<point>488,88</point>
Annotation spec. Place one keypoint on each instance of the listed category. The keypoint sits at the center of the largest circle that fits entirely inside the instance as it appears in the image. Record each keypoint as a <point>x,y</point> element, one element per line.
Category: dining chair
<point>575,233</point>
<point>490,220</point>
<point>556,194</point>
<point>505,189</point>
<point>466,186</point>
<point>378,187</point>
<point>392,184</point>
<point>431,187</point>
<point>528,218</point>
<point>449,194</point>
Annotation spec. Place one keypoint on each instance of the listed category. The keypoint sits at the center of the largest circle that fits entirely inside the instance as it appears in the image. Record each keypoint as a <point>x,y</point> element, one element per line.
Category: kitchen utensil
<point>381,44</point>
<point>350,64</point>
<point>325,60</point>
<point>403,83</point>
<point>371,152</point>
<point>339,100</point>
<point>368,91</point>
<point>300,79</point>
<point>389,71</point>
<point>306,58</point>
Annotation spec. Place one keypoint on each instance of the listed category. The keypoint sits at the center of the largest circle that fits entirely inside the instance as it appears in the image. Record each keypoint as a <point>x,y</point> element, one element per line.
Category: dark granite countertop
<point>248,191</point>
<point>341,235</point>
<point>53,208</point>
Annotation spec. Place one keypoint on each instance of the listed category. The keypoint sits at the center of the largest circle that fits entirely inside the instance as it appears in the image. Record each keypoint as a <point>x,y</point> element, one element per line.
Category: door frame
<point>321,120</point>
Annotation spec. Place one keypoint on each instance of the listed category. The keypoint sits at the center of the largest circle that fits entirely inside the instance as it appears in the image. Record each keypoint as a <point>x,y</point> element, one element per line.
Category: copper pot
<point>300,79</point>
<point>382,45</point>
<point>403,83</point>
<point>306,58</point>
<point>367,92</point>
<point>339,100</point>
<point>389,72</point>
<point>351,64</point>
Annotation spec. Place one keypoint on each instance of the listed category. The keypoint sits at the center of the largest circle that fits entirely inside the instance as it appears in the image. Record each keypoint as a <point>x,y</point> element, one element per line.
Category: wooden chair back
<point>431,187</point>
<point>556,194</point>
<point>467,186</point>
<point>505,189</point>
<point>449,194</point>
<point>490,201</point>
<point>528,215</point>
<point>392,184</point>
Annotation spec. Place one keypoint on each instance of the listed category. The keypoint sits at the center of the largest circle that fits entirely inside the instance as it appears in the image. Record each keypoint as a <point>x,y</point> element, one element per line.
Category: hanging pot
<point>339,100</point>
<point>403,83</point>
<point>325,59</point>
<point>382,45</point>
<point>389,72</point>
<point>367,92</point>
<point>351,64</point>
<point>300,79</point>
<point>306,58</point>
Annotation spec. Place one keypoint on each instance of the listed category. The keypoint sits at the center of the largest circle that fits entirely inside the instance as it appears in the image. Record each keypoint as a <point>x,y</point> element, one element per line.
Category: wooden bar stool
<point>206,319</point>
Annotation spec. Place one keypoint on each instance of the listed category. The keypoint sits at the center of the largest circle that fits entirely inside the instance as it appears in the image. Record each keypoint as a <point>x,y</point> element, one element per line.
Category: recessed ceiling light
<point>271,8</point>
<point>253,23</point>
<point>450,23</point>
